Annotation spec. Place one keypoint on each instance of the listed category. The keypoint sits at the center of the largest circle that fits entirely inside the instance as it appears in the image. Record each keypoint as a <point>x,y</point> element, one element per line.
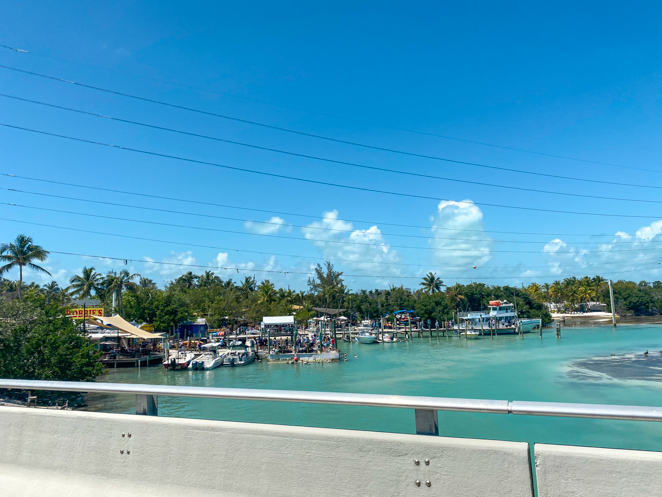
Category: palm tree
<point>598,282</point>
<point>535,291</point>
<point>248,286</point>
<point>431,283</point>
<point>51,291</point>
<point>187,280</point>
<point>146,283</point>
<point>115,283</point>
<point>21,253</point>
<point>208,279</point>
<point>556,291</point>
<point>584,294</point>
<point>266,293</point>
<point>82,286</point>
<point>454,297</point>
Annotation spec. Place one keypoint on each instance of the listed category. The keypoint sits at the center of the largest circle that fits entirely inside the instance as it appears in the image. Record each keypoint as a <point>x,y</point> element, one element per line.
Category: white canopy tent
<point>121,324</point>
<point>277,320</point>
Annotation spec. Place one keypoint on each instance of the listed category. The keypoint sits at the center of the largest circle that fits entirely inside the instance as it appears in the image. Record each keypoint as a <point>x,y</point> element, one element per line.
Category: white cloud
<point>459,237</point>
<point>363,251</point>
<point>269,227</point>
<point>626,256</point>
<point>176,264</point>
<point>224,266</point>
<point>41,278</point>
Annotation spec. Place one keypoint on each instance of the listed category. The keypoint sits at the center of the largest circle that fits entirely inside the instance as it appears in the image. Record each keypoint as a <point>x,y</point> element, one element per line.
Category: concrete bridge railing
<point>49,452</point>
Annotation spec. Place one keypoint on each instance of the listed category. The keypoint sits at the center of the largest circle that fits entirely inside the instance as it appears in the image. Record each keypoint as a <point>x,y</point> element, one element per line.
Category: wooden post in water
<point>611,299</point>
<point>558,329</point>
<point>436,325</point>
<point>491,331</point>
<point>540,327</point>
<point>482,333</point>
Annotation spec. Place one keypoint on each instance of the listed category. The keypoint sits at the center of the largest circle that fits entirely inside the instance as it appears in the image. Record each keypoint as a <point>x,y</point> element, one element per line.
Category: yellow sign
<point>89,312</point>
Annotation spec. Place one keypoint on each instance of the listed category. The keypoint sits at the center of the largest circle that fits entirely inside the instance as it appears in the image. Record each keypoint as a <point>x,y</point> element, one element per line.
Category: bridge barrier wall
<point>564,471</point>
<point>72,453</point>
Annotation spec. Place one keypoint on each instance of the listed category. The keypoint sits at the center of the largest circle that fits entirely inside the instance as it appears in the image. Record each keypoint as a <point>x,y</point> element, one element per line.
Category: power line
<point>297,256</point>
<point>283,213</point>
<point>322,137</point>
<point>126,260</point>
<point>345,118</point>
<point>343,242</point>
<point>317,182</point>
<point>272,223</point>
<point>334,161</point>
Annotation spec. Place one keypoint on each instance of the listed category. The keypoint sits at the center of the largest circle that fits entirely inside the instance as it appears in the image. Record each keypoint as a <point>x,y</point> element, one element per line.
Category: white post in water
<point>611,298</point>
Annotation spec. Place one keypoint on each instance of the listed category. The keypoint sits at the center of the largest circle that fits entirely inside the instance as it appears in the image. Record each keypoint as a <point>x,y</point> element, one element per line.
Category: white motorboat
<point>212,357</point>
<point>366,337</point>
<point>388,338</point>
<point>236,358</point>
<point>179,359</point>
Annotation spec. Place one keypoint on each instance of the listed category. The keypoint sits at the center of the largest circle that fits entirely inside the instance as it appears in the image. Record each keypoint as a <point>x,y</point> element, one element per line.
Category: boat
<point>386,338</point>
<point>366,337</point>
<point>212,357</point>
<point>236,358</point>
<point>180,359</point>
<point>501,319</point>
<point>468,334</point>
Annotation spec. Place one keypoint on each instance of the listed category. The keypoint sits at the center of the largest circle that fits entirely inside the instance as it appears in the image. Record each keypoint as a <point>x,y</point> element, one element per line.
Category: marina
<point>532,369</point>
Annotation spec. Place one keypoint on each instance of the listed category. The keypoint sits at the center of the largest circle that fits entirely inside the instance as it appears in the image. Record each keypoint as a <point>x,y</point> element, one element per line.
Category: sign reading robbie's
<point>89,312</point>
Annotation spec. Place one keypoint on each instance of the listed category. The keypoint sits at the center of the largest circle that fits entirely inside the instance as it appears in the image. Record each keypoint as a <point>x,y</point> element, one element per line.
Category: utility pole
<point>611,298</point>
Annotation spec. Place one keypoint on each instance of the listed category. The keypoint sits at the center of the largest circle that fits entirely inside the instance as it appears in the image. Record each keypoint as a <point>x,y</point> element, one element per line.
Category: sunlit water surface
<point>577,368</point>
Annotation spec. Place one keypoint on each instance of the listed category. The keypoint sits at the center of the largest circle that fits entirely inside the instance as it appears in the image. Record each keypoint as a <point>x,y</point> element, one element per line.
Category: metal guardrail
<point>425,407</point>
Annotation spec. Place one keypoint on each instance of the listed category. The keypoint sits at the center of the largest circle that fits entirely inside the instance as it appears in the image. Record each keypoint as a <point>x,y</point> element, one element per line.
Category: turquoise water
<point>577,368</point>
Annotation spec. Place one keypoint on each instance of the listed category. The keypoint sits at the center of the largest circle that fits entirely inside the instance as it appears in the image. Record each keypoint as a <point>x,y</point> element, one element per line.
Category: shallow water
<point>578,367</point>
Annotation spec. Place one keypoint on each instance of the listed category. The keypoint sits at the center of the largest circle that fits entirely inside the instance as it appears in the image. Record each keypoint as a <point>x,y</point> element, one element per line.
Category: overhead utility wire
<point>343,242</point>
<point>282,213</point>
<point>317,182</point>
<point>345,118</point>
<point>272,223</point>
<point>333,161</point>
<point>327,138</point>
<point>126,260</point>
<point>298,256</point>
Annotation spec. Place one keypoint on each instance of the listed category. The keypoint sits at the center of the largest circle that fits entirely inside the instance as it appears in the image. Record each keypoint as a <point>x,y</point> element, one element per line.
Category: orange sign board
<point>89,312</point>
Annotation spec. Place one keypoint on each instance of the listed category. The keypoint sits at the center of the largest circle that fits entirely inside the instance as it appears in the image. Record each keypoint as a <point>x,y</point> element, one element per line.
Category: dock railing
<point>425,408</point>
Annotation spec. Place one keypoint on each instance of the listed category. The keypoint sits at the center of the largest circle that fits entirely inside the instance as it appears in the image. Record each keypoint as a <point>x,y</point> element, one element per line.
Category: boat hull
<point>365,339</point>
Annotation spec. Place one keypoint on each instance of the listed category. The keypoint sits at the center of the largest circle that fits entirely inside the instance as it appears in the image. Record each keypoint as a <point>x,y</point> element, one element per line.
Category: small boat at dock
<point>212,357</point>
<point>179,359</point>
<point>366,337</point>
<point>235,358</point>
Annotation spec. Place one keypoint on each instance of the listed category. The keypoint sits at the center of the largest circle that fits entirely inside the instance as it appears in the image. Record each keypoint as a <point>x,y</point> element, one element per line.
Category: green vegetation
<point>20,253</point>
<point>38,342</point>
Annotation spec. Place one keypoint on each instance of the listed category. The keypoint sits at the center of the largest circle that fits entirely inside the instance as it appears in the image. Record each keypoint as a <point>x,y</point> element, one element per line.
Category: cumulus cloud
<point>459,237</point>
<point>176,264</point>
<point>625,256</point>
<point>364,251</point>
<point>223,265</point>
<point>269,227</point>
<point>41,278</point>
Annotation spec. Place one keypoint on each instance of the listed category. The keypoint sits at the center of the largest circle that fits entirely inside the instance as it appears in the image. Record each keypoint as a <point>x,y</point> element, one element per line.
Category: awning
<point>274,320</point>
<point>121,324</point>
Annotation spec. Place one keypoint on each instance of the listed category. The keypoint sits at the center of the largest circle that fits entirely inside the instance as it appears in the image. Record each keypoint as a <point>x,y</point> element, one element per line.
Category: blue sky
<point>566,79</point>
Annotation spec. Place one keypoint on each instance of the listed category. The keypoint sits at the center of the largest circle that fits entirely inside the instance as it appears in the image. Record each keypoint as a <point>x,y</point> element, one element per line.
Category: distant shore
<point>582,315</point>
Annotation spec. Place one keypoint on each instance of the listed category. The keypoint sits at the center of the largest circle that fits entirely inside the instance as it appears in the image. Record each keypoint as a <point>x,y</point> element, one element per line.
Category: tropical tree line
<point>232,303</point>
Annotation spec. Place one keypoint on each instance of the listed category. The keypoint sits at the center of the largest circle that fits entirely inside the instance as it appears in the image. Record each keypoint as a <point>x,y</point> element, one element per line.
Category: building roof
<point>274,320</point>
